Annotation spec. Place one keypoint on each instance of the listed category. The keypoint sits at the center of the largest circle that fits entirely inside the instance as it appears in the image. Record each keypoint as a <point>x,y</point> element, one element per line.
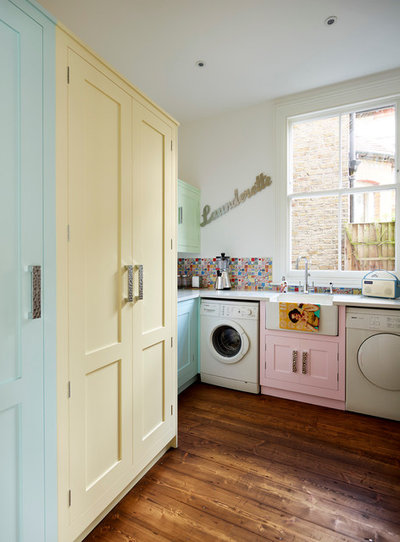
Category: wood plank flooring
<point>251,468</point>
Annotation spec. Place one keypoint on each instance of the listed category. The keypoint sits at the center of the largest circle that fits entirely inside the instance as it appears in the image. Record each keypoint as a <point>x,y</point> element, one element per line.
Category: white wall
<point>226,152</point>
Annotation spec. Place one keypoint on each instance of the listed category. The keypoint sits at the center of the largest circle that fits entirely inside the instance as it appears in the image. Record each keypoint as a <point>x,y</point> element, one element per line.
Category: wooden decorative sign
<point>262,181</point>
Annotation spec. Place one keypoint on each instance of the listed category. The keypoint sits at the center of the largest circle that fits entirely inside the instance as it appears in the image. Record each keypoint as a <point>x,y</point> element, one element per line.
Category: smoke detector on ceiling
<point>330,21</point>
<point>200,63</point>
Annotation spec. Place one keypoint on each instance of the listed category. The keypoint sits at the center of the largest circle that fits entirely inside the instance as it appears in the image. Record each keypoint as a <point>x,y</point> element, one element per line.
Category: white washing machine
<point>229,350</point>
<point>373,362</point>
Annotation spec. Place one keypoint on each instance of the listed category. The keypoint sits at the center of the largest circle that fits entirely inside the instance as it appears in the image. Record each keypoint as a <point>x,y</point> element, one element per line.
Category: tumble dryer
<point>373,362</point>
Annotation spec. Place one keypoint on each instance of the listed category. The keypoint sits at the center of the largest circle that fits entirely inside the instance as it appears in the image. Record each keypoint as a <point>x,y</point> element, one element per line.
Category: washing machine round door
<point>228,342</point>
<point>379,360</point>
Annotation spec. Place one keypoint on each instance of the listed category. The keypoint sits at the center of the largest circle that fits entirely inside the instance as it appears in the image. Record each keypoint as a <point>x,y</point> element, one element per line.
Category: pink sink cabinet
<point>303,366</point>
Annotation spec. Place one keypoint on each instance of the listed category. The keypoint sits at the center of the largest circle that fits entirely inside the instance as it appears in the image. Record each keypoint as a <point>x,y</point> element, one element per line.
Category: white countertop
<point>242,295</point>
<point>364,301</point>
<point>259,295</point>
<point>184,295</point>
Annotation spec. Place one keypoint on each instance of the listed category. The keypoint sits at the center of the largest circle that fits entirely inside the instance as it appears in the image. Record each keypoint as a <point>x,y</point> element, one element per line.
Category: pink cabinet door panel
<point>282,360</point>
<point>301,365</point>
<point>319,364</point>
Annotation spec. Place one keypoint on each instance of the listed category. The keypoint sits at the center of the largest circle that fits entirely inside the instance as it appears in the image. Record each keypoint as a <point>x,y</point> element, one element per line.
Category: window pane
<point>368,231</point>
<point>368,147</point>
<point>314,231</point>
<point>315,155</point>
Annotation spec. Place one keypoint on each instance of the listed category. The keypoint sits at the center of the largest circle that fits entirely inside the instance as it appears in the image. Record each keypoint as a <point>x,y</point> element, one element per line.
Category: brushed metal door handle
<point>131,297</point>
<point>129,268</point>
<point>36,271</point>
<point>139,297</point>
<point>294,361</point>
<point>304,363</point>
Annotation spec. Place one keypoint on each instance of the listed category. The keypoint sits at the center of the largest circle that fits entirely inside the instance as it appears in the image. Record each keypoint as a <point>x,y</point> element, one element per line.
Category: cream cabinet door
<point>154,370</point>
<point>100,320</point>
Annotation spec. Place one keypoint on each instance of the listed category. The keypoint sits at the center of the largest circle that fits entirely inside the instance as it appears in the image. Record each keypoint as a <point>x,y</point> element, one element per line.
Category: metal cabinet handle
<point>139,297</point>
<point>131,298</point>
<point>129,268</point>
<point>180,215</point>
<point>294,361</point>
<point>304,363</point>
<point>36,271</point>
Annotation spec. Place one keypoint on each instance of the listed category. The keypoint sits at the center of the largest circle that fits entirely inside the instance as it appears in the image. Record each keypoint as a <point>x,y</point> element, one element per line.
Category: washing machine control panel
<point>374,322</point>
<point>234,311</point>
<point>393,322</point>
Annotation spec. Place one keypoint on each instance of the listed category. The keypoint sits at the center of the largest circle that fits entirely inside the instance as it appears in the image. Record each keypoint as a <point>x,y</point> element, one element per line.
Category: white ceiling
<point>254,50</point>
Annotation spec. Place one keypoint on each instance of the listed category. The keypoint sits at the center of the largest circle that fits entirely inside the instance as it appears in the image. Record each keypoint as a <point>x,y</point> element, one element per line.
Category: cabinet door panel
<point>22,504</point>
<point>320,367</point>
<point>153,408</point>
<point>151,224</point>
<point>188,218</point>
<point>103,391</point>
<point>280,355</point>
<point>187,340</point>
<point>183,340</point>
<point>100,321</point>
<point>153,206</point>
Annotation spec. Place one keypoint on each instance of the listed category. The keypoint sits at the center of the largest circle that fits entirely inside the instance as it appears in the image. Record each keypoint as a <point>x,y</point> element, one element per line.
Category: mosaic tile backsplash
<point>244,274</point>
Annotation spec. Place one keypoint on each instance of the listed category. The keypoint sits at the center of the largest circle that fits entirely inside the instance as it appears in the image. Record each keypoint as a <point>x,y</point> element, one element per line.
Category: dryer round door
<point>228,342</point>
<point>379,360</point>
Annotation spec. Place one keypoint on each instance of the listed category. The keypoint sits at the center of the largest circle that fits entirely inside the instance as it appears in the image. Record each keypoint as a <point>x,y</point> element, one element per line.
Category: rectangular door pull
<point>36,271</point>
<point>139,297</point>
<point>304,363</point>
<point>129,268</point>
<point>294,361</point>
<point>131,297</point>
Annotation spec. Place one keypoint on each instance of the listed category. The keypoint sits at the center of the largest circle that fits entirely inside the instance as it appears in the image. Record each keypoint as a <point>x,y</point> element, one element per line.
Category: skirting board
<point>303,398</point>
<point>194,379</point>
<point>232,384</point>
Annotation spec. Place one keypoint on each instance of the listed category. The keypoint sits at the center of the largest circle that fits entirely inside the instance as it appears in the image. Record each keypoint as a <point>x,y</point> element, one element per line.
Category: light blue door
<point>21,240</point>
<point>187,341</point>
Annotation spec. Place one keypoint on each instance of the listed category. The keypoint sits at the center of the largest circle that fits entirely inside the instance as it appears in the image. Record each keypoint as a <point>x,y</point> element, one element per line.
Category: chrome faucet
<point>306,273</point>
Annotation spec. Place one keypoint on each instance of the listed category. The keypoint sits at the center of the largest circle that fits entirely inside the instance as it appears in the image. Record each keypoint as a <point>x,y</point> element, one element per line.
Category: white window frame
<point>357,95</point>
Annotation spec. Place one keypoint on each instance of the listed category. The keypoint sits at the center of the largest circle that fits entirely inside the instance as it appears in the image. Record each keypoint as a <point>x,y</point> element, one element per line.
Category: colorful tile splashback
<point>245,274</point>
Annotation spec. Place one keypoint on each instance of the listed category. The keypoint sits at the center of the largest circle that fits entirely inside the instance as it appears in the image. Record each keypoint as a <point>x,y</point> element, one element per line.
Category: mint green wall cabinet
<point>27,344</point>
<point>188,218</point>
<point>188,350</point>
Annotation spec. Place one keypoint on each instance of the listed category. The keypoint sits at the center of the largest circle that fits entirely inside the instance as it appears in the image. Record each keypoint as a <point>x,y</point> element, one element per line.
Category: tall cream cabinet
<point>116,267</point>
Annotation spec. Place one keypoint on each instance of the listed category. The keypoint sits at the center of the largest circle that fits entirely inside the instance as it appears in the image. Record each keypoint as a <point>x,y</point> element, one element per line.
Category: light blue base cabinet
<point>28,454</point>
<point>188,347</point>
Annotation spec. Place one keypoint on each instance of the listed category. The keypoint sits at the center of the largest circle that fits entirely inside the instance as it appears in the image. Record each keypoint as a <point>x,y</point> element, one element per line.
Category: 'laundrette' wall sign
<point>262,181</point>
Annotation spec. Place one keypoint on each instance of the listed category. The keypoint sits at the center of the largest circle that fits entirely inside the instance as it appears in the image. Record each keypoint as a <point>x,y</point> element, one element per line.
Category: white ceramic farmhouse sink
<point>294,297</point>
<point>328,315</point>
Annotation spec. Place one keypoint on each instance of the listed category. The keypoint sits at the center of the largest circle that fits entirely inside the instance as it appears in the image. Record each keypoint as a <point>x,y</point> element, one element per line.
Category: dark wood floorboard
<point>254,468</point>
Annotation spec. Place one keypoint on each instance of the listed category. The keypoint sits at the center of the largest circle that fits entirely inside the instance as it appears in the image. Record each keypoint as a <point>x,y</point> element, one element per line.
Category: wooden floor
<point>252,468</point>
